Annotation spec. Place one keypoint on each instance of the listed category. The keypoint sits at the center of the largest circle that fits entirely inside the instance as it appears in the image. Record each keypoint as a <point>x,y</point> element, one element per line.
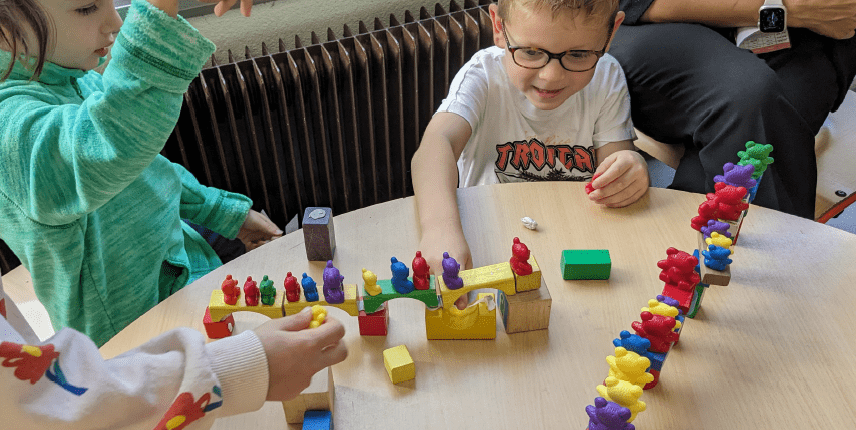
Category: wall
<point>286,18</point>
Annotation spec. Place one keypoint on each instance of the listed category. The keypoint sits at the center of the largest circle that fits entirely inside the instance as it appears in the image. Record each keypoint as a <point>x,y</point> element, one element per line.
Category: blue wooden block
<point>318,420</point>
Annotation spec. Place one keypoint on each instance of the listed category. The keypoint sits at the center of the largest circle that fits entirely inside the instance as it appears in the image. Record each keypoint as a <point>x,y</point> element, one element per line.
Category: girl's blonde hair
<point>16,17</point>
<point>602,9</point>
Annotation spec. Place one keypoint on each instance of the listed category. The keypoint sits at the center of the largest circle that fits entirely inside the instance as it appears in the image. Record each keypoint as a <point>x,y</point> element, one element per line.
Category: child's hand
<point>295,352</point>
<point>224,5</point>
<point>437,241</point>
<point>622,178</point>
<point>258,230</point>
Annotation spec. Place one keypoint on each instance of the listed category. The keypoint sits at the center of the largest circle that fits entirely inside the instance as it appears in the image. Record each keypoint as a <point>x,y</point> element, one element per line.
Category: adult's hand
<point>831,18</point>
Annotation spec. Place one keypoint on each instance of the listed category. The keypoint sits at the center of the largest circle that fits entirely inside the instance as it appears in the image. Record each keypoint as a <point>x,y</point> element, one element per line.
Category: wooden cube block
<point>318,396</point>
<point>586,264</point>
<point>218,329</point>
<point>318,235</point>
<point>375,323</point>
<point>526,311</point>
<point>399,364</point>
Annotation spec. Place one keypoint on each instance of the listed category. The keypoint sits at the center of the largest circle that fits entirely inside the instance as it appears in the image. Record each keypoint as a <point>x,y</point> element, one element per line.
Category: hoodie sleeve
<point>64,383</point>
<point>63,160</point>
<point>219,210</point>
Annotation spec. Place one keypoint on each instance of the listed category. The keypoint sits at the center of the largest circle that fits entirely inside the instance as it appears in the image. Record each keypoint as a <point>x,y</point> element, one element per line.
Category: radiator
<point>331,123</point>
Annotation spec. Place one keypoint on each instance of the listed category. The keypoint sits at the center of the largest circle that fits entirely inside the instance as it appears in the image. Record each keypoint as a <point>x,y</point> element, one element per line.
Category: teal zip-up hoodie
<point>86,201</point>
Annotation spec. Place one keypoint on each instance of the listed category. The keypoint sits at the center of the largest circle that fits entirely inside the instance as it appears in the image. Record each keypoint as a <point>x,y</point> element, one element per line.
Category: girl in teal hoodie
<point>86,202</point>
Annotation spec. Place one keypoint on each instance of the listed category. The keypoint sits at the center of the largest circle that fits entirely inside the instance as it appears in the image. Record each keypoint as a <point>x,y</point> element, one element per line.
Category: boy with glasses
<point>545,103</point>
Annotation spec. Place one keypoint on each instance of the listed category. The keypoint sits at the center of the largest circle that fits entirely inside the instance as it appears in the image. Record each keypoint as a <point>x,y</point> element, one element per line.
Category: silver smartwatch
<point>772,17</point>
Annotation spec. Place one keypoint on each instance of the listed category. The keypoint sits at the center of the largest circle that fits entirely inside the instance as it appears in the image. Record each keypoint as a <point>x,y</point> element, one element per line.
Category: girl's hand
<point>224,5</point>
<point>622,178</point>
<point>258,230</point>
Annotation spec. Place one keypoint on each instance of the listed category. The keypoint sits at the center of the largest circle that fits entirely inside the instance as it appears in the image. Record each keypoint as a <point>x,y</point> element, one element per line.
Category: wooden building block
<point>318,235</point>
<point>708,275</point>
<point>318,420</point>
<point>734,226</point>
<point>586,264</point>
<point>317,396</point>
<point>526,311</point>
<point>478,321</point>
<point>497,276</point>
<point>429,296</point>
<point>218,329</point>
<point>683,297</point>
<point>374,324</point>
<point>219,309</point>
<point>531,281</point>
<point>399,364</point>
<point>695,305</point>
<point>349,305</point>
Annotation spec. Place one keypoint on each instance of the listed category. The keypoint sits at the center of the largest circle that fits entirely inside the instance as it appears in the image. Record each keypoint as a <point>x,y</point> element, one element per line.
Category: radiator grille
<point>330,123</point>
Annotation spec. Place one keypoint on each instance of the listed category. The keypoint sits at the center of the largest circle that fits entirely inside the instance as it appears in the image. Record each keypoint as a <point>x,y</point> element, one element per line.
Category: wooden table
<point>772,350</point>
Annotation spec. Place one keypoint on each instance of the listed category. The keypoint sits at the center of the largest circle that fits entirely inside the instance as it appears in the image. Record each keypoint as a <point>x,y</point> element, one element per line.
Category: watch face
<point>772,20</point>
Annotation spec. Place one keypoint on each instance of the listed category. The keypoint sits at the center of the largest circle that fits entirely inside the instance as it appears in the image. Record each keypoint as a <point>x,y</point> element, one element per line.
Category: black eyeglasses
<point>572,61</point>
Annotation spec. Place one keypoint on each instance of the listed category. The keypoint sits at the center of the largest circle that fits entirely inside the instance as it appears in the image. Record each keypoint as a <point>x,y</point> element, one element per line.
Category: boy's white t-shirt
<point>513,141</point>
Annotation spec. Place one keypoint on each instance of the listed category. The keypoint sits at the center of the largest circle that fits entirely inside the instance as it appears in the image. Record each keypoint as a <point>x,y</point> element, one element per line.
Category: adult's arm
<point>832,18</point>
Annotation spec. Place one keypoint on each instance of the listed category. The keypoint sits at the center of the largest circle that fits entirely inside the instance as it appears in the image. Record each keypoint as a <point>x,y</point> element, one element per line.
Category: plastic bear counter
<point>772,349</point>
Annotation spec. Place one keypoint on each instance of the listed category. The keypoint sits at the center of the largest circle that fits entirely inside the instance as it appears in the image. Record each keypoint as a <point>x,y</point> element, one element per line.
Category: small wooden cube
<point>375,323</point>
<point>399,364</point>
<point>586,264</point>
<point>526,311</point>
<point>318,235</point>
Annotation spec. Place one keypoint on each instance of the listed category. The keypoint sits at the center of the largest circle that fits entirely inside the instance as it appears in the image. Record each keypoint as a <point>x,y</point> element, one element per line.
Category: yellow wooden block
<point>349,305</point>
<point>498,276</point>
<point>399,364</point>
<point>219,309</point>
<point>318,396</point>
<point>474,322</point>
<point>526,311</point>
<point>531,281</point>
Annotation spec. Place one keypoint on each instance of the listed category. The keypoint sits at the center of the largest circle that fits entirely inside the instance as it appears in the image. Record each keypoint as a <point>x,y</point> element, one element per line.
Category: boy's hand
<point>622,178</point>
<point>295,352</point>
<point>258,230</point>
<point>437,241</point>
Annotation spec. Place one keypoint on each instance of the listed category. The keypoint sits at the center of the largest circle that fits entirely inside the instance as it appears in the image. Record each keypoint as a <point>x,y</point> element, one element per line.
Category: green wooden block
<point>695,305</point>
<point>387,292</point>
<point>586,264</point>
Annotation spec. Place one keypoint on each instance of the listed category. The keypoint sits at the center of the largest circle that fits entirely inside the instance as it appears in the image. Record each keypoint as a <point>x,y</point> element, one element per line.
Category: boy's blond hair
<point>599,9</point>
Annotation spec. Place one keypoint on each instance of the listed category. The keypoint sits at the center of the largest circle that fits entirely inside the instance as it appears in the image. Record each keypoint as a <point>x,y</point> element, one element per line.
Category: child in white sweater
<point>175,378</point>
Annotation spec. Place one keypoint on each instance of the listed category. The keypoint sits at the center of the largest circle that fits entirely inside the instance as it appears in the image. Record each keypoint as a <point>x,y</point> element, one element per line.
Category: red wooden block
<point>218,329</point>
<point>374,324</point>
<point>683,297</point>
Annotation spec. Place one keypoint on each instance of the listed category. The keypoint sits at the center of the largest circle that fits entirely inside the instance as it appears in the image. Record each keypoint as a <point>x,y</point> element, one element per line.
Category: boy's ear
<point>497,24</point>
<point>619,18</point>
